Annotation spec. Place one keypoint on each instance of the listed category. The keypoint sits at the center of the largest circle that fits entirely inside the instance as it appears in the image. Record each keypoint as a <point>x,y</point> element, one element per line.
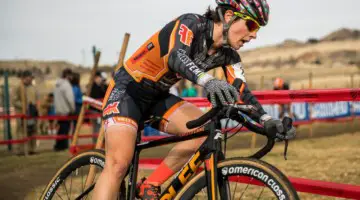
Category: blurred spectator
<point>64,106</point>
<point>284,109</point>
<point>98,91</point>
<point>75,82</point>
<point>31,98</point>
<point>47,109</point>
<point>189,91</point>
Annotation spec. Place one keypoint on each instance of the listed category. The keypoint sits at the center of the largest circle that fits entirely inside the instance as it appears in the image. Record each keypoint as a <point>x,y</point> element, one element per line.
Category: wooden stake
<point>123,51</point>
<point>262,82</point>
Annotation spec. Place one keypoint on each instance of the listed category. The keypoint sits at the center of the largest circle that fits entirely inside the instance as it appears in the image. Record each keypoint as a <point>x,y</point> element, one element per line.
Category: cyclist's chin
<point>237,46</point>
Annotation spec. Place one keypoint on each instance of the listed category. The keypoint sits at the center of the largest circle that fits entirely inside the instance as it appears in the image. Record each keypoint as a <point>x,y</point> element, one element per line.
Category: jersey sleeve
<point>179,60</point>
<point>235,75</point>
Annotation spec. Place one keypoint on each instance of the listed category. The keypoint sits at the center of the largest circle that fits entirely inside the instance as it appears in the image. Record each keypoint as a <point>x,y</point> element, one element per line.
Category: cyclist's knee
<point>120,144</point>
<point>117,167</point>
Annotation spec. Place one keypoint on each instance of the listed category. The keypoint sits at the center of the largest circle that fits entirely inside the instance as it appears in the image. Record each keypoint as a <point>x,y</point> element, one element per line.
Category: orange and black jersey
<point>180,50</point>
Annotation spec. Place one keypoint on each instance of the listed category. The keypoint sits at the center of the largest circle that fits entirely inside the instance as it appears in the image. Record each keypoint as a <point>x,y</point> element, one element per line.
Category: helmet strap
<point>226,27</point>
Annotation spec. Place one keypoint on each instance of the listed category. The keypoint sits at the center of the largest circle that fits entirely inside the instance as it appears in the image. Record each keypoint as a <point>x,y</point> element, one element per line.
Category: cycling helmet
<point>256,9</point>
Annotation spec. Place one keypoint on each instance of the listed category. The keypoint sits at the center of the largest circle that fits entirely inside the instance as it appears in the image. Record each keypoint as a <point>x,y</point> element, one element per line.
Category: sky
<point>67,29</point>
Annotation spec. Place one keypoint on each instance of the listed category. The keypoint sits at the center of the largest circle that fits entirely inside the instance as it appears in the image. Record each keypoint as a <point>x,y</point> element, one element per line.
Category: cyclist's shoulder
<point>193,18</point>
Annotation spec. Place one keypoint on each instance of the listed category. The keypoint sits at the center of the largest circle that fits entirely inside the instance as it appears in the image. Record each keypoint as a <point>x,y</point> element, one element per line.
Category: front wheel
<point>242,178</point>
<point>73,179</point>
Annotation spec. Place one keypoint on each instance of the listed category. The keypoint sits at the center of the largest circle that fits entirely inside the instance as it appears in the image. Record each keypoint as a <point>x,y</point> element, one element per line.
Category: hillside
<point>332,59</point>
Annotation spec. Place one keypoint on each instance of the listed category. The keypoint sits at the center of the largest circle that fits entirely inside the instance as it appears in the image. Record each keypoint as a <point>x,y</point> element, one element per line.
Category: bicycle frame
<point>209,152</point>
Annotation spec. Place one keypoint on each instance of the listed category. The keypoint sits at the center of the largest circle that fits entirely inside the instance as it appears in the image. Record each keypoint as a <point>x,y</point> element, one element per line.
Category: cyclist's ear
<point>228,15</point>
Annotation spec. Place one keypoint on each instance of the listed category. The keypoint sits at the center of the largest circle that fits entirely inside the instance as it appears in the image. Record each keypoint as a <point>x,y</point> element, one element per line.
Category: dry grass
<point>273,53</point>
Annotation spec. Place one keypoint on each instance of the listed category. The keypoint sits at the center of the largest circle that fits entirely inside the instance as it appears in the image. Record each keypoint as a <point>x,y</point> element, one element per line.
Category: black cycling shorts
<point>129,103</point>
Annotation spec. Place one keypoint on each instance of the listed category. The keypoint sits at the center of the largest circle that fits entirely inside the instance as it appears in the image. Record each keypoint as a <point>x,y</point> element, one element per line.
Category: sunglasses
<point>251,23</point>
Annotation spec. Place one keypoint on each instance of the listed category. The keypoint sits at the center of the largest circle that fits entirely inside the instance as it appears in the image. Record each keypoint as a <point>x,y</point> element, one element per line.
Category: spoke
<point>71,184</point>
<point>233,197</point>
<point>58,195</point>
<point>244,191</point>
<point>261,193</point>
<point>82,180</point>
<point>67,194</point>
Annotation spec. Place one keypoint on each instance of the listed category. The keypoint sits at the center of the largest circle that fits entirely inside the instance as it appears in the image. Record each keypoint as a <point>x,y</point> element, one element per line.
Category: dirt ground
<point>330,155</point>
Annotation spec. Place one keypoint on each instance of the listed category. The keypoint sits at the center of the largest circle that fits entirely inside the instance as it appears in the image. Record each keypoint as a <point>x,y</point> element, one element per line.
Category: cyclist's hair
<point>212,14</point>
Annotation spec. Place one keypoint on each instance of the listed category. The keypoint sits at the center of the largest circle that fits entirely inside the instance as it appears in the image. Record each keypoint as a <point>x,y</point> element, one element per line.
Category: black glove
<point>221,92</point>
<point>273,126</point>
<point>277,129</point>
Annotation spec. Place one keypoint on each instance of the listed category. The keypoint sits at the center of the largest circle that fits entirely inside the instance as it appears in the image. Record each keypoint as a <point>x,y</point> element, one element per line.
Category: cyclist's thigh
<point>121,117</point>
<point>177,113</point>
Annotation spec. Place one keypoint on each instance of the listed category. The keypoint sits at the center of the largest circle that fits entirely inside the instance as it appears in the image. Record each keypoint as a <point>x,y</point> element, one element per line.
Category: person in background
<point>284,109</point>
<point>98,91</point>
<point>47,109</point>
<point>31,98</point>
<point>189,91</point>
<point>75,82</point>
<point>64,102</point>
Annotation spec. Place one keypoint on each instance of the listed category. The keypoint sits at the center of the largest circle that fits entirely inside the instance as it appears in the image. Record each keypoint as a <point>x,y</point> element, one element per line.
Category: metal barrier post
<point>310,105</point>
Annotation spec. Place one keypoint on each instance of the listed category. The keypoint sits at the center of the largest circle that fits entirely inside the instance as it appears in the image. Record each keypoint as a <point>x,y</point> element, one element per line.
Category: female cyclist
<point>185,48</point>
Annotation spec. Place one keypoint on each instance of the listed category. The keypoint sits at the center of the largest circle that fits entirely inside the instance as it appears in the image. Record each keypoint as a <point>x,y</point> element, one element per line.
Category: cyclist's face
<point>239,33</point>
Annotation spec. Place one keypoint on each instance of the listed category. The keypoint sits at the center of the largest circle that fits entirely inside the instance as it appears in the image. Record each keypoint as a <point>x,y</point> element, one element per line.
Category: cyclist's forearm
<point>180,63</point>
<point>248,98</point>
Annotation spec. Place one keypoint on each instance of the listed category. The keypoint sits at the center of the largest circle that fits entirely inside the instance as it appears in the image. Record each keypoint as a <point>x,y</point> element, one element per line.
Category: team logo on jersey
<point>186,35</point>
<point>138,55</point>
<point>111,109</point>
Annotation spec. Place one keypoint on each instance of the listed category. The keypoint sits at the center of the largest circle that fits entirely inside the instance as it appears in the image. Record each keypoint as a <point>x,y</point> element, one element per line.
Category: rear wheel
<point>242,179</point>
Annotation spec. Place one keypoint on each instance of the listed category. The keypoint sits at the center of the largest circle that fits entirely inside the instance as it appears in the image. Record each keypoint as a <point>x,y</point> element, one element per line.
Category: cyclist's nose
<point>253,34</point>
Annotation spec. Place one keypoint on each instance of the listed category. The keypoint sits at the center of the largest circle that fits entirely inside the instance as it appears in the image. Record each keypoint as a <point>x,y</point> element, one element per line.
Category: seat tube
<point>133,172</point>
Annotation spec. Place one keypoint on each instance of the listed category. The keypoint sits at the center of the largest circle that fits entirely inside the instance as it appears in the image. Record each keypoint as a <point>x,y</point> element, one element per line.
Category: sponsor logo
<point>186,35</point>
<point>224,171</point>
<point>112,108</point>
<point>354,94</point>
<point>218,136</point>
<point>116,94</point>
<point>53,186</point>
<point>188,62</point>
<point>297,95</point>
<point>183,176</point>
<point>142,53</point>
<point>253,172</point>
<point>150,46</point>
<point>97,161</point>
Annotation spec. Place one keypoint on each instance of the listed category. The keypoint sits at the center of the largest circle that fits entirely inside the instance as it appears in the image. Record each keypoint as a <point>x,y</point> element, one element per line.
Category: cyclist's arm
<point>178,57</point>
<point>235,75</point>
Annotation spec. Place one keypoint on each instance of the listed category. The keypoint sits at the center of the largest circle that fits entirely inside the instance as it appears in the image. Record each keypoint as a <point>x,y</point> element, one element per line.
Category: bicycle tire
<point>92,157</point>
<point>236,167</point>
